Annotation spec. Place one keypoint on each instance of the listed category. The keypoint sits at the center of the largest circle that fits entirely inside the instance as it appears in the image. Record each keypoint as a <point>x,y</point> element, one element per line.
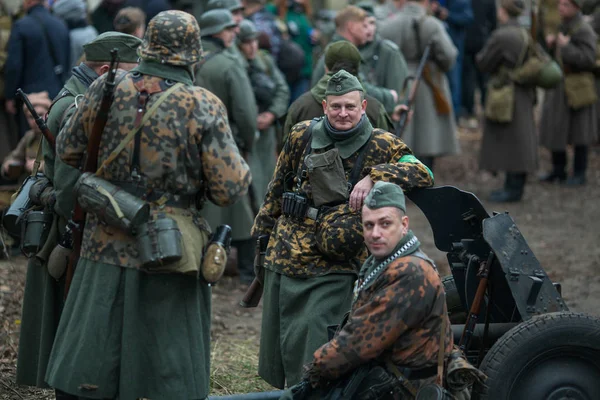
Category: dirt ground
<point>560,224</point>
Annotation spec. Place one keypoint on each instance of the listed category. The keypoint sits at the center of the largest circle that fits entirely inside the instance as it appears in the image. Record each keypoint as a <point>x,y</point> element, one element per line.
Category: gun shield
<point>111,204</point>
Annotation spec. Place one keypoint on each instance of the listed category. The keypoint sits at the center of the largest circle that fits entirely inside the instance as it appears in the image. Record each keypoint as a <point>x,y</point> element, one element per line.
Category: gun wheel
<point>553,356</point>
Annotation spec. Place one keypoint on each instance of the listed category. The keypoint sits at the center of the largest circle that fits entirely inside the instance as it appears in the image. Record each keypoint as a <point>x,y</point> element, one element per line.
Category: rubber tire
<point>456,312</point>
<point>532,360</point>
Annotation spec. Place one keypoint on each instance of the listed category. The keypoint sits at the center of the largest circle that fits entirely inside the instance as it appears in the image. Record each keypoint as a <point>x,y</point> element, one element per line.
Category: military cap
<point>99,48</point>
<point>247,31</point>
<point>385,194</point>
<point>231,5</point>
<point>342,51</point>
<point>215,21</point>
<point>514,8</point>
<point>172,37</point>
<point>368,7</point>
<point>341,83</point>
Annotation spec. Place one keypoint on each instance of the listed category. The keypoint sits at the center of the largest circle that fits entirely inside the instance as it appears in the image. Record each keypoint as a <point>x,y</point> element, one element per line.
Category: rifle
<point>74,233</point>
<point>413,89</point>
<point>38,120</point>
<point>255,291</point>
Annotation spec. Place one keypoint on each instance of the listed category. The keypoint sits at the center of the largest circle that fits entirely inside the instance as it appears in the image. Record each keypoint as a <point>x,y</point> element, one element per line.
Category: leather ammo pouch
<point>580,89</point>
<point>327,177</point>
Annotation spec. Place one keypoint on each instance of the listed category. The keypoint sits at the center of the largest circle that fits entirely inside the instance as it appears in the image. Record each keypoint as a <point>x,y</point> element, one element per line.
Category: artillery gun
<point>507,315</point>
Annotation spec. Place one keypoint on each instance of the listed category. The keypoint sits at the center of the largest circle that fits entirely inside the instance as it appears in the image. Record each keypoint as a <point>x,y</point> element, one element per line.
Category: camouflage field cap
<point>341,83</point>
<point>172,37</point>
<point>99,48</point>
<point>247,31</point>
<point>215,21</point>
<point>342,51</point>
<point>385,194</point>
<point>231,5</point>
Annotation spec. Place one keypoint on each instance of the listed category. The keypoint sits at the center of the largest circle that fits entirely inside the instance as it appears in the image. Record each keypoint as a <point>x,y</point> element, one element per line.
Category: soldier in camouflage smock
<point>125,333</point>
<point>43,297</point>
<point>397,313</point>
<point>312,259</point>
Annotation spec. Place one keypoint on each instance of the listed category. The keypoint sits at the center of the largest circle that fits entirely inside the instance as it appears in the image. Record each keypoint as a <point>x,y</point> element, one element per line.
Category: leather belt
<point>314,212</point>
<point>152,195</point>
<point>417,374</point>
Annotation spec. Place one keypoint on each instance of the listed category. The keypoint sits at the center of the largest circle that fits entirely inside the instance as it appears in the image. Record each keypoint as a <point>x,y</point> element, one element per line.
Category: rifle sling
<point>133,132</point>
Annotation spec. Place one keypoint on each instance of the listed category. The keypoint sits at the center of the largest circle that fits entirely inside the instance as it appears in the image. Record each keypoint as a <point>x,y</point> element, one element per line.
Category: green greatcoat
<point>43,298</point>
<point>384,65</point>
<point>222,73</point>
<point>262,163</point>
<point>380,93</point>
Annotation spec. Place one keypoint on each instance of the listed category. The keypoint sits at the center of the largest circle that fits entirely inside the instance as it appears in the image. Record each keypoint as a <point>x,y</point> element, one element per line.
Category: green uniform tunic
<point>43,297</point>
<point>222,73</point>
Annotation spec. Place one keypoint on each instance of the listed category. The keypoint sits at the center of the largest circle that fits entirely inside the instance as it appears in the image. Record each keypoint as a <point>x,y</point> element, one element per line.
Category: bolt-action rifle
<point>74,233</point>
<point>416,81</point>
<point>255,291</point>
<point>38,119</point>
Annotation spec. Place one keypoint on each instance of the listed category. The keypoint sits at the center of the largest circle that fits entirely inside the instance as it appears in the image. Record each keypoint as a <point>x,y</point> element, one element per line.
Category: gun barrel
<point>38,119</point>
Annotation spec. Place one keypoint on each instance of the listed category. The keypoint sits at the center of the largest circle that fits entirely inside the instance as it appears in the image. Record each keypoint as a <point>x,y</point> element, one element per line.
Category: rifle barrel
<point>38,119</point>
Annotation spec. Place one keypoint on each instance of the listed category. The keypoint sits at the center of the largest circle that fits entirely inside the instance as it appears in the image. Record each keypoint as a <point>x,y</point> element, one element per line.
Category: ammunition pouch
<point>159,243</point>
<point>294,205</point>
<point>327,177</point>
<point>20,203</point>
<point>110,203</point>
<point>339,233</point>
<point>35,227</point>
<point>215,257</point>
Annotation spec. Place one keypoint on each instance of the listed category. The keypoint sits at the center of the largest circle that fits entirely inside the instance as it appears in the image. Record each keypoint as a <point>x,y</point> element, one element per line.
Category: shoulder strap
<point>358,165</point>
<point>132,133</point>
<point>206,58</point>
<point>523,54</point>
<point>307,150</point>
<point>58,68</point>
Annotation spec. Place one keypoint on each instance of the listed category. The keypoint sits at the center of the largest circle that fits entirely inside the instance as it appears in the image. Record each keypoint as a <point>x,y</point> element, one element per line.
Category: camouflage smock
<point>185,142</point>
<point>292,248</point>
<point>397,317</point>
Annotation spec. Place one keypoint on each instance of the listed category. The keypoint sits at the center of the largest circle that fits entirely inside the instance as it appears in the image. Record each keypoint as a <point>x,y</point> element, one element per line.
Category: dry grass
<point>234,366</point>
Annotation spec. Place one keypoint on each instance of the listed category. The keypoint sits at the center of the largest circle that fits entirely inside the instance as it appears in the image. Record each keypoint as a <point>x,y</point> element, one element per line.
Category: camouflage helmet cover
<point>172,37</point>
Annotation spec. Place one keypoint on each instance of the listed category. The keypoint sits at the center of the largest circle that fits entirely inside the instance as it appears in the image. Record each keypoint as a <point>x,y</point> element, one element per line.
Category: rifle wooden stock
<point>38,120</point>
<point>442,106</point>
<point>77,224</point>
<point>413,90</point>
<point>253,295</point>
<point>475,310</point>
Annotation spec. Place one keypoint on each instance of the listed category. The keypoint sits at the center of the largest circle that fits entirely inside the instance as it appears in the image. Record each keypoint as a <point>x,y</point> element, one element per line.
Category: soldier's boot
<point>245,250</point>
<point>579,167</point>
<point>559,166</point>
<point>514,185</point>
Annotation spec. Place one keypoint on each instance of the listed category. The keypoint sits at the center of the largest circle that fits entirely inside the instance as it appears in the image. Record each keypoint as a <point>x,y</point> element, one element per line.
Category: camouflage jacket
<point>186,147</point>
<point>292,248</point>
<point>397,317</point>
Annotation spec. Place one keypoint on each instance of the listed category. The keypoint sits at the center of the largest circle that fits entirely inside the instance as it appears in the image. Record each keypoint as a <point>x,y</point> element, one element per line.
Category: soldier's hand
<point>394,96</point>
<point>563,40</point>
<point>265,120</point>
<point>360,191</point>
<point>9,105</point>
<point>399,110</point>
<point>550,40</point>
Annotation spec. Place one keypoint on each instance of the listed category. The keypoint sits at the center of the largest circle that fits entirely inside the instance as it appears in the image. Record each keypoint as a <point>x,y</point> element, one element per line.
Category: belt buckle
<point>312,213</point>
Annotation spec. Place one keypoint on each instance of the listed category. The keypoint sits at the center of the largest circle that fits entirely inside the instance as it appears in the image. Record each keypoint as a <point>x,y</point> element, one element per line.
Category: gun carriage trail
<point>560,224</point>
